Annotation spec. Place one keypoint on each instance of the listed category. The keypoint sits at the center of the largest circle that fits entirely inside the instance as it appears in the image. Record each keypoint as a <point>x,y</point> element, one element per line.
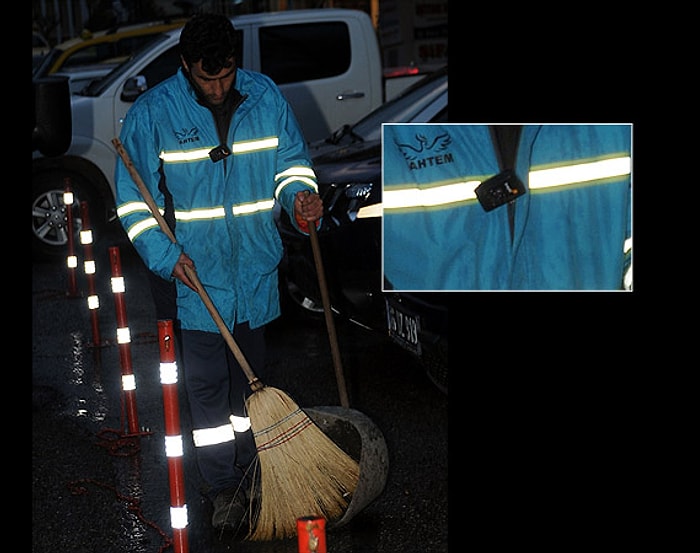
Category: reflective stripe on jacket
<point>572,229</point>
<point>573,226</point>
<point>224,209</point>
<point>436,234</point>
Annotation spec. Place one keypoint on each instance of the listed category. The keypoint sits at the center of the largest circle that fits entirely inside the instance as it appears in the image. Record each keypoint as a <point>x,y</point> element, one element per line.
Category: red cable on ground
<point>124,340</point>
<point>77,487</point>
<point>86,239</point>
<point>173,435</point>
<point>71,259</point>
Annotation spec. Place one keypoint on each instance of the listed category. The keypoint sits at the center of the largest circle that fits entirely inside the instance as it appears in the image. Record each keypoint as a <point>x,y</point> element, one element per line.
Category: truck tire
<point>50,216</point>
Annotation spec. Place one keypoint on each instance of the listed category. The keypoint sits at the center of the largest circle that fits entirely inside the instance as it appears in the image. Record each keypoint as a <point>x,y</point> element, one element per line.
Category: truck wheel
<point>50,216</point>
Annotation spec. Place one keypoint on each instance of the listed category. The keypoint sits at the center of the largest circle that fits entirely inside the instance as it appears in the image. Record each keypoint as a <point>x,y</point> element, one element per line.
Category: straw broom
<point>302,471</point>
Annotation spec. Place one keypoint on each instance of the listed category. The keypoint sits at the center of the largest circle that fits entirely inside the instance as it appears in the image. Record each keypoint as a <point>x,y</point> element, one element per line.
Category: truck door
<point>323,69</point>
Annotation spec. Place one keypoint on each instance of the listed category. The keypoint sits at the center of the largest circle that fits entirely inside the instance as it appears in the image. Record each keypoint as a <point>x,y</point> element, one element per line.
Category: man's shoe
<point>230,509</point>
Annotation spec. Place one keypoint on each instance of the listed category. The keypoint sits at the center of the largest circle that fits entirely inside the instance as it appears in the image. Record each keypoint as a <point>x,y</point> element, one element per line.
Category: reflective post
<point>71,259</point>
<point>173,436</point>
<point>93,300</point>
<point>124,339</point>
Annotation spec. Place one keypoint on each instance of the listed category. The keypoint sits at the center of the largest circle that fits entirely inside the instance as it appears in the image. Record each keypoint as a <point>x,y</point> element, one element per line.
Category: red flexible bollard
<point>311,534</point>
<point>173,436</point>
<point>124,340</point>
<point>71,258</point>
<point>93,300</point>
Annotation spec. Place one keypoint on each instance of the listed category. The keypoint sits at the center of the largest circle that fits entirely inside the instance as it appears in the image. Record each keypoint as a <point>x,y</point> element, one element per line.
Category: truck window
<point>304,52</point>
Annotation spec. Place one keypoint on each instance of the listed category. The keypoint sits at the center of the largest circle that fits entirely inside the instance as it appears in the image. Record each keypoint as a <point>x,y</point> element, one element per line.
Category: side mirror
<point>133,88</point>
<point>53,128</point>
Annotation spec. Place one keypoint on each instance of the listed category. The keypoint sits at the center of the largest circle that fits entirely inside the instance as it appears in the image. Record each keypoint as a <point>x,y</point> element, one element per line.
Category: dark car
<point>348,167</point>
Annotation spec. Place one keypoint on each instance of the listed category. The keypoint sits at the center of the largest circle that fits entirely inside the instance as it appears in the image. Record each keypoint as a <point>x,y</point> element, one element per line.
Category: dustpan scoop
<point>356,434</point>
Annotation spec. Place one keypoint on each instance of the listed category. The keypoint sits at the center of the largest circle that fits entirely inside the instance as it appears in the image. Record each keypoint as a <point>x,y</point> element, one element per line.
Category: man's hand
<point>308,208</point>
<point>180,273</point>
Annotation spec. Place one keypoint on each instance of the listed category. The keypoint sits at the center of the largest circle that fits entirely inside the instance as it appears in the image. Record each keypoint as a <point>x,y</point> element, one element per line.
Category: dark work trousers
<point>216,388</point>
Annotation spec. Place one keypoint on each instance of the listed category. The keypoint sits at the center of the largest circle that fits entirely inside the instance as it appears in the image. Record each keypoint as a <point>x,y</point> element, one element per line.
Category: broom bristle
<point>302,471</point>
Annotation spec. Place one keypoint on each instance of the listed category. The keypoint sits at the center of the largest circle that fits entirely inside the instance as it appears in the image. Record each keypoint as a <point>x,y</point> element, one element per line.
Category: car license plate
<point>403,327</point>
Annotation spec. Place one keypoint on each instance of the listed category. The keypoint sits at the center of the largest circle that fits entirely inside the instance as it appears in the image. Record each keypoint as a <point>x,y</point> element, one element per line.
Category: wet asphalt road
<point>97,487</point>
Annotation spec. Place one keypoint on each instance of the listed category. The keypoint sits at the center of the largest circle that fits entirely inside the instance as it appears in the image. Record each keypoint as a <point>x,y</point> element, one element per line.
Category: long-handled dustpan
<point>302,471</point>
<point>330,324</point>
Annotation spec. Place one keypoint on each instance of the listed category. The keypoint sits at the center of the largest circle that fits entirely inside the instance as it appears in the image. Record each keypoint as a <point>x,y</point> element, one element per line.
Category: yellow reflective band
<point>430,197</point>
<point>369,211</point>
<point>212,436</point>
<point>298,170</point>
<point>254,145</point>
<point>285,182</point>
<point>582,172</point>
<point>201,214</point>
<point>253,207</point>
<point>140,227</point>
<point>237,148</point>
<point>133,207</point>
<point>191,155</point>
<point>627,282</point>
<point>240,424</point>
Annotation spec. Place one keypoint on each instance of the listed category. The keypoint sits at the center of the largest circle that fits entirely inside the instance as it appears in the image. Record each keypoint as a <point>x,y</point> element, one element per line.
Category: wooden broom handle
<point>253,380</point>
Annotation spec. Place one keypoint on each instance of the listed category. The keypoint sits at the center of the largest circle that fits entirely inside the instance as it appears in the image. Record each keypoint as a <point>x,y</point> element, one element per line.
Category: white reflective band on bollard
<point>173,446</point>
<point>86,237</point>
<point>68,198</point>
<point>93,302</point>
<point>118,285</point>
<point>168,373</point>
<point>128,382</point>
<point>178,517</point>
<point>72,261</point>
<point>123,335</point>
<point>89,267</point>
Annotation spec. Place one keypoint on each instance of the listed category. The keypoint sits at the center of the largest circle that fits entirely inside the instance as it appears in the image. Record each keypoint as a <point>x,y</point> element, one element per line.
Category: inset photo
<point>507,207</point>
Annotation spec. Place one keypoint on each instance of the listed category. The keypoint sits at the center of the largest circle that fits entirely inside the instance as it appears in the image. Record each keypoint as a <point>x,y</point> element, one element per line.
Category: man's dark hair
<point>211,38</point>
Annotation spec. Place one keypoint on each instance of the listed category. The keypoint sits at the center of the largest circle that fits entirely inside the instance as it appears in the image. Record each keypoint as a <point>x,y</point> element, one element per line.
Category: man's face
<point>213,88</point>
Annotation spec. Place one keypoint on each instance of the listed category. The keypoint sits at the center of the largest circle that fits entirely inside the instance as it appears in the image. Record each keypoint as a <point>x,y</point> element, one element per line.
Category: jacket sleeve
<point>294,170</point>
<point>140,140</point>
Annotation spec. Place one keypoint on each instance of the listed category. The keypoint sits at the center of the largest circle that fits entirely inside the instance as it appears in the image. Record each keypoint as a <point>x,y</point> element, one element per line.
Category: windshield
<point>42,70</point>
<point>96,87</point>
<point>402,109</point>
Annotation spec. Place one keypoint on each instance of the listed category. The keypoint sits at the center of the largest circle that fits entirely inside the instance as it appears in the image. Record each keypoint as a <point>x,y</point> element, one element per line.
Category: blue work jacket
<point>223,210</point>
<point>570,230</point>
<point>573,230</point>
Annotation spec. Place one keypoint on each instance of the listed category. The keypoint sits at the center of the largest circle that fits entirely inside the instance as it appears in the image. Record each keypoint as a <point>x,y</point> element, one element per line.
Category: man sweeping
<point>217,146</point>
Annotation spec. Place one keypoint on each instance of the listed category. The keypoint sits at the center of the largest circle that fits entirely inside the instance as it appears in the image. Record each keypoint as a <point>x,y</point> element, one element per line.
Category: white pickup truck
<point>326,61</point>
